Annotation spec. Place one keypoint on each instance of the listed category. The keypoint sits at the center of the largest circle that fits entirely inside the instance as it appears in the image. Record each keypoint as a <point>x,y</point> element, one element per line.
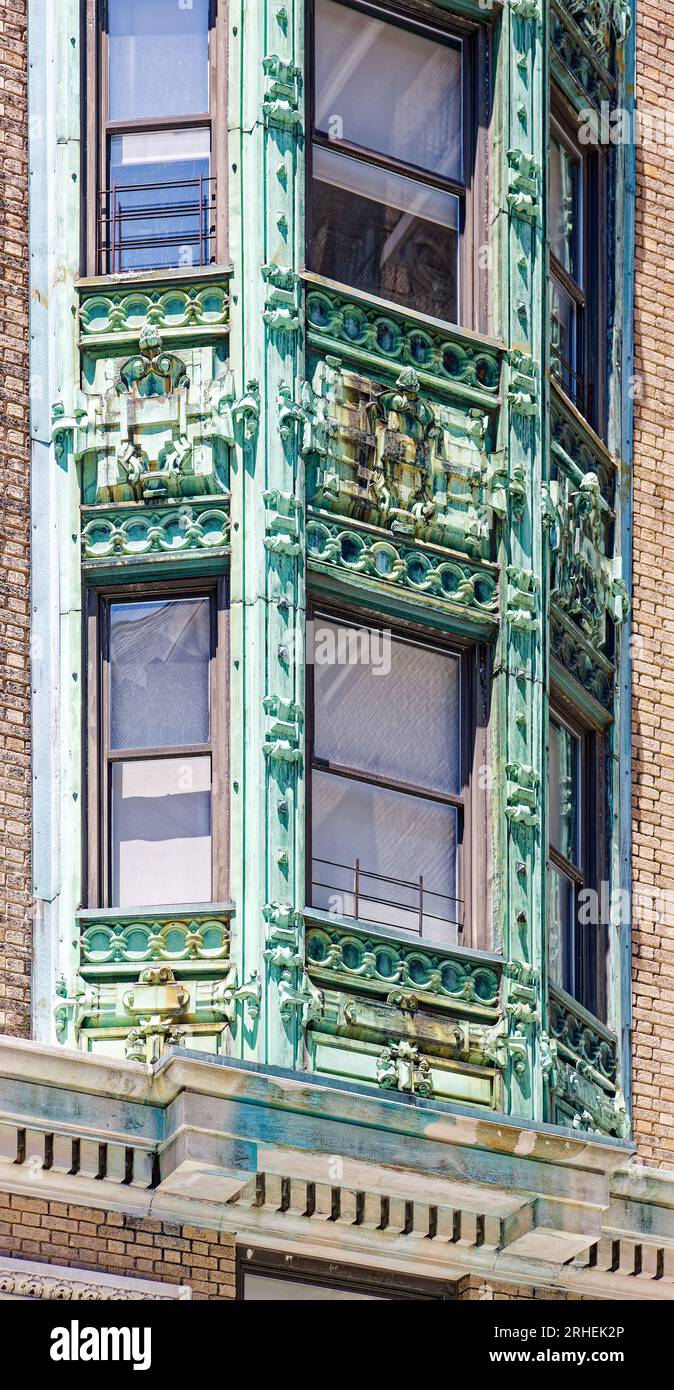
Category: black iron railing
<point>359,896</point>
<point>139,232</point>
<point>573,383</point>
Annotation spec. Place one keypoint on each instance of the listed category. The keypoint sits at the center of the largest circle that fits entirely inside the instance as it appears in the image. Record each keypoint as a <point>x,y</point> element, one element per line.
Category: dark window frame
<point>473,289</point>
<point>98,755</point>
<point>590,941</point>
<point>587,393</point>
<point>342,1277</point>
<point>471,803</point>
<point>98,130</point>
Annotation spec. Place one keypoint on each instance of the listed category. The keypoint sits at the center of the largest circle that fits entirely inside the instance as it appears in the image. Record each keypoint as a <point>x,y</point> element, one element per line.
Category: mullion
<point>147,125</point>
<point>386,783</point>
<point>566,867</point>
<point>414,172</point>
<point>128,755</point>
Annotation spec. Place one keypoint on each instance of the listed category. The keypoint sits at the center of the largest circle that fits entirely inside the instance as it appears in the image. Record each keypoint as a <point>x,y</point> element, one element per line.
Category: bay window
<point>157,748</point>
<point>391,799</point>
<point>156,76</point>
<point>392,188</point>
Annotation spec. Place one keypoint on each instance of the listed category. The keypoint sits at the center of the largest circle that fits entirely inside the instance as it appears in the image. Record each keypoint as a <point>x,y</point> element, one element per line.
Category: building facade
<point>318,644</point>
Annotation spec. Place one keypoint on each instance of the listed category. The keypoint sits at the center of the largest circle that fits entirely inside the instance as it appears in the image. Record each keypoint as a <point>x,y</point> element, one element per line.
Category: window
<point>392,158</point>
<point>576,931</point>
<point>157,739</point>
<point>275,1276</point>
<point>577,309</point>
<point>390,797</point>
<point>159,82</point>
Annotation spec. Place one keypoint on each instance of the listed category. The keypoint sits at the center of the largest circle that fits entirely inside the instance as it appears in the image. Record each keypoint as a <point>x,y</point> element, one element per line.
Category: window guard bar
<point>114,243</point>
<point>360,897</point>
<point>578,389</point>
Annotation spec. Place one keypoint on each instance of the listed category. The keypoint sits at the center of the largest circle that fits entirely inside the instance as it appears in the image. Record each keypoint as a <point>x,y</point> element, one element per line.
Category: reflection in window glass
<point>566,209</point>
<point>161,832</point>
<point>386,234</point>
<point>393,96</point>
<point>157,58</point>
<point>159,673</point>
<point>561,923</point>
<point>564,337</point>
<point>564,777</point>
<point>389,89</point>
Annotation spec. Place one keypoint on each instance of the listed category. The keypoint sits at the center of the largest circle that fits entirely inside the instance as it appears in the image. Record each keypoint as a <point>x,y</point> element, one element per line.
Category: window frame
<point>590,982</point>
<point>471,802</point>
<point>99,757</point>
<point>326,1273</point>
<point>472,193</point>
<point>590,296</point>
<point>98,130</point>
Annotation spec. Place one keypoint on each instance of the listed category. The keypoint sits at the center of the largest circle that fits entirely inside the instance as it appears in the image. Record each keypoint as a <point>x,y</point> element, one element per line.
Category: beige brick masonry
<point>111,1243</point>
<point>653,704</point>
<point>15,883</point>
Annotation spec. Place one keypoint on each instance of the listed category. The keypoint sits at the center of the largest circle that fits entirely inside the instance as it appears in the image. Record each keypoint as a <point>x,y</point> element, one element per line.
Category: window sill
<point>137,279</point>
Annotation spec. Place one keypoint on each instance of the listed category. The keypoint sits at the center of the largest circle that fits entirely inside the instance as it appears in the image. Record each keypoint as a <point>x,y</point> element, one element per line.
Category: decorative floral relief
<point>335,322</point>
<point>373,554</point>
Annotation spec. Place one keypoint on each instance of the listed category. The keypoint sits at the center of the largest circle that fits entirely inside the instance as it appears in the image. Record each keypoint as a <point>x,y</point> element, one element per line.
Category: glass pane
<point>566,209</point>
<point>563,338</point>
<point>161,207</point>
<point>389,89</point>
<point>396,839</point>
<point>157,58</point>
<point>385,234</point>
<point>161,832</point>
<point>386,706</point>
<point>159,673</point>
<point>564,778</point>
<point>561,917</point>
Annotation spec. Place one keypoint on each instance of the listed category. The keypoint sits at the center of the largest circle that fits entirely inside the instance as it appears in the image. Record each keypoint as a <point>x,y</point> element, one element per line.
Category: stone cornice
<point>249,1150</point>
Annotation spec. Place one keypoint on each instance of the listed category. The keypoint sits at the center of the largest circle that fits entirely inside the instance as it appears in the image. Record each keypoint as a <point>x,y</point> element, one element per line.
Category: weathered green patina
<point>301,437</point>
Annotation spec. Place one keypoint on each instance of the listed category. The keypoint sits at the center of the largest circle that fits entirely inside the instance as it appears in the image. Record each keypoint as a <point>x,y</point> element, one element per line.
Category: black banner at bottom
<point>147,1338</point>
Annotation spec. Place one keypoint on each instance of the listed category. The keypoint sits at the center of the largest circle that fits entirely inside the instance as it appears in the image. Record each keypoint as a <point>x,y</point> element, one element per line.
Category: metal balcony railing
<point>579,391</point>
<point>137,231</point>
<point>410,908</point>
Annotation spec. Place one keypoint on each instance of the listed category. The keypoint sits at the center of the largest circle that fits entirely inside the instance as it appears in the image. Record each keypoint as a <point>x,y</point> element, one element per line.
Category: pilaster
<point>520,668</point>
<point>267,582</point>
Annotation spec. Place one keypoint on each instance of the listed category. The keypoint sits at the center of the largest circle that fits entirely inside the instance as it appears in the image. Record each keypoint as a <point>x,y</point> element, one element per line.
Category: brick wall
<point>107,1242</point>
<point>15,885</point>
<point>653,707</point>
